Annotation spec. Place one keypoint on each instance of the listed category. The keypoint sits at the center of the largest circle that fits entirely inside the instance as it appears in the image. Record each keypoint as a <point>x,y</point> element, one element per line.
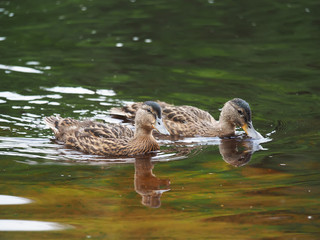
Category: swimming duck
<point>111,139</point>
<point>188,121</point>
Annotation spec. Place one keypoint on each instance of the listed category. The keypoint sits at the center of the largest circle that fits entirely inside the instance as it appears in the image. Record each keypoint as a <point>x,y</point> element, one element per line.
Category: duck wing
<point>108,131</point>
<point>185,114</point>
<point>61,126</point>
<point>91,137</point>
<point>179,120</point>
<point>86,142</point>
<point>187,121</point>
<point>128,112</point>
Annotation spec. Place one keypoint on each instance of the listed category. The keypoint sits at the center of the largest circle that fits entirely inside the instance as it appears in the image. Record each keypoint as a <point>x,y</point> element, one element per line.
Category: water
<point>81,58</point>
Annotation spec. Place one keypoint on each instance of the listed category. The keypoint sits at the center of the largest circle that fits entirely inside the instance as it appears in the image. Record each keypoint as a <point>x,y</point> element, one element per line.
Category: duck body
<point>109,139</point>
<point>189,121</point>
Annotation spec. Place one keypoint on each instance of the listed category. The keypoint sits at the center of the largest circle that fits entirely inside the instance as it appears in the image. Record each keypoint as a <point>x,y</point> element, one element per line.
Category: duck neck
<point>143,133</point>
<point>143,141</point>
<point>224,126</point>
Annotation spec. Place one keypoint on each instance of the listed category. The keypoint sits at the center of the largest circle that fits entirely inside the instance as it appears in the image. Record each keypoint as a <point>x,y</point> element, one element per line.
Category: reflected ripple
<point>28,225</point>
<point>13,200</point>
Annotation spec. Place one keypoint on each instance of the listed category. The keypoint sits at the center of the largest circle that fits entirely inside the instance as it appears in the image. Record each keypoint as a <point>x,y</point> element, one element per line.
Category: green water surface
<point>79,58</point>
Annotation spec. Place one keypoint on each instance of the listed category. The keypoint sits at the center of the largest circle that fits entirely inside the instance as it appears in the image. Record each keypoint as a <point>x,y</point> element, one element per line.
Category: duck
<point>112,139</point>
<point>189,121</point>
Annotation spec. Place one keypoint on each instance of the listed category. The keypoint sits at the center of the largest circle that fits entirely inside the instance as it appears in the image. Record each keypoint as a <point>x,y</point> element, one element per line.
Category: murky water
<point>81,58</point>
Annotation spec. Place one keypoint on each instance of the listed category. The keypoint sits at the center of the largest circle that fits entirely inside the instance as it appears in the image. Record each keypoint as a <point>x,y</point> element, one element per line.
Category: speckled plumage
<point>107,139</point>
<point>190,121</point>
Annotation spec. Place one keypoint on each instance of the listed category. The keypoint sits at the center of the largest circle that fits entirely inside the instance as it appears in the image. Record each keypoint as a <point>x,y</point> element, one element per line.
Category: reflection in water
<point>70,90</point>
<point>19,69</point>
<point>13,200</point>
<point>201,53</point>
<point>27,225</point>
<point>237,152</point>
<point>147,184</point>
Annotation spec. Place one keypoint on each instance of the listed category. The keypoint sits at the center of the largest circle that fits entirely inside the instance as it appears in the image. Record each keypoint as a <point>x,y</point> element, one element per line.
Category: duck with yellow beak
<point>189,121</point>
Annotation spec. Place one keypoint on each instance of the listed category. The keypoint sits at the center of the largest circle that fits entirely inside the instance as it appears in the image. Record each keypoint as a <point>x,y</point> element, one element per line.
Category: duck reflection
<point>147,184</point>
<point>237,152</point>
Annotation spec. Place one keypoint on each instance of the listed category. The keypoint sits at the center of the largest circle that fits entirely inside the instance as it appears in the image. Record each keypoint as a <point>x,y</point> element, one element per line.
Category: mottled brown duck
<point>111,139</point>
<point>188,121</point>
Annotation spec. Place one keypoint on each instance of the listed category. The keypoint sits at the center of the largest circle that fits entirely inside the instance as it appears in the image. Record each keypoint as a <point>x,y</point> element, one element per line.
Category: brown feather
<point>106,139</point>
<point>191,121</point>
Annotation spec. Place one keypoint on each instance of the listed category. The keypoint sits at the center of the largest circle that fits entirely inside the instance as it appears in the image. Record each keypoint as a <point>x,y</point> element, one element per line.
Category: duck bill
<point>159,126</point>
<point>250,131</point>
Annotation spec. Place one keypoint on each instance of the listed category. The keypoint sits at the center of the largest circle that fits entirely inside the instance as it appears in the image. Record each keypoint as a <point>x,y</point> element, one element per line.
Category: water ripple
<point>105,92</point>
<point>28,225</point>
<point>72,90</point>
<point>47,152</point>
<point>19,69</point>
<point>18,97</point>
<point>13,200</point>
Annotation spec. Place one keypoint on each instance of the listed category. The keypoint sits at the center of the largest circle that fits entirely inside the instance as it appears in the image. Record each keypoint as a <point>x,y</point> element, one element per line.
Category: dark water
<point>80,58</point>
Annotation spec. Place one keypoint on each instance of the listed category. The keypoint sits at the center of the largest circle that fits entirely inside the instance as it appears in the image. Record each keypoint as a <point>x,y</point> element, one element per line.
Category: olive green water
<point>80,58</point>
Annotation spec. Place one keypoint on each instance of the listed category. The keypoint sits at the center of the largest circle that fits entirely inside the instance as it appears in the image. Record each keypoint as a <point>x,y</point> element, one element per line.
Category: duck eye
<point>240,112</point>
<point>148,110</point>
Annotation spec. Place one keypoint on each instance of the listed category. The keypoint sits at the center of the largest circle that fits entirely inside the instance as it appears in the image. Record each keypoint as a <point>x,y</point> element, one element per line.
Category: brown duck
<point>111,139</point>
<point>188,121</point>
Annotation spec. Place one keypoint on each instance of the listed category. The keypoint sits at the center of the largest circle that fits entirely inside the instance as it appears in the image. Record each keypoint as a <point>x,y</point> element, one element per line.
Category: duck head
<point>237,112</point>
<point>149,117</point>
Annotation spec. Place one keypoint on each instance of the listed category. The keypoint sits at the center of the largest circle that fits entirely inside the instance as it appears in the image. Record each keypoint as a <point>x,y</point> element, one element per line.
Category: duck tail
<point>52,122</point>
